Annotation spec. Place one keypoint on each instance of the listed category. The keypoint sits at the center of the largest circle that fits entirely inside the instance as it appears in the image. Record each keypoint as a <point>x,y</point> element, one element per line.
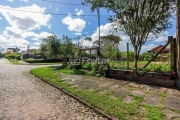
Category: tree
<point>66,48</point>
<point>109,45</point>
<point>139,19</point>
<point>11,55</point>
<point>35,52</point>
<point>50,46</point>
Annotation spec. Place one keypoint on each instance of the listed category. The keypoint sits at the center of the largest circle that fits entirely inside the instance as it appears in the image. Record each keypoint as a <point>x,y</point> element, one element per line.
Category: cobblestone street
<point>25,97</point>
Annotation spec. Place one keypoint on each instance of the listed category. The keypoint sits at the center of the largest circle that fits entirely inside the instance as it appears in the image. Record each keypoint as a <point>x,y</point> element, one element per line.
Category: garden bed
<point>162,79</point>
<point>152,67</point>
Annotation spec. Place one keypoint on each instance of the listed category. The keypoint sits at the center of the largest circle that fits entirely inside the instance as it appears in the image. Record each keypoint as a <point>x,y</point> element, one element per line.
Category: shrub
<point>147,56</point>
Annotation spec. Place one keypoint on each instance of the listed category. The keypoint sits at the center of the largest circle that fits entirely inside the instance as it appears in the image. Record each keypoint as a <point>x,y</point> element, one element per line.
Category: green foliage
<point>155,67</point>
<point>139,19</point>
<point>153,113</point>
<point>147,56</point>
<point>54,47</point>
<point>11,55</point>
<point>168,55</point>
<point>86,66</point>
<point>109,45</point>
<point>50,46</point>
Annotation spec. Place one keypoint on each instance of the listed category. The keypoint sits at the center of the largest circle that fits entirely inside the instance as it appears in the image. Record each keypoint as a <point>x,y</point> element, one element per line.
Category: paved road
<point>25,97</point>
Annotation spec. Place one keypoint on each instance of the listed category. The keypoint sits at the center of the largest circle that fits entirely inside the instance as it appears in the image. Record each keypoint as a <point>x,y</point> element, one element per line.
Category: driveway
<point>25,97</point>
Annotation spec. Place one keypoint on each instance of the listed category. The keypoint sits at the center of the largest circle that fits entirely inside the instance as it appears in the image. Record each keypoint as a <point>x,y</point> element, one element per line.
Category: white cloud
<point>13,42</point>
<point>89,23</point>
<point>161,39</point>
<point>22,24</point>
<point>24,0</point>
<point>39,37</point>
<point>146,48</point>
<point>11,0</point>
<point>0,18</point>
<point>79,12</point>
<point>37,44</point>
<point>74,24</point>
<point>78,33</point>
<point>26,20</point>
<point>106,30</point>
<point>174,36</point>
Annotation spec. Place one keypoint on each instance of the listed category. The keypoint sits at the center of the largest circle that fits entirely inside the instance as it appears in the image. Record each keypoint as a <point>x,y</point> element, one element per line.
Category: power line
<point>60,14</point>
<point>60,2</point>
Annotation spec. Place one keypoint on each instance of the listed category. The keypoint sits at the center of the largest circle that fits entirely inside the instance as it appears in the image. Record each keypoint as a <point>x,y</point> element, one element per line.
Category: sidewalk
<point>167,98</point>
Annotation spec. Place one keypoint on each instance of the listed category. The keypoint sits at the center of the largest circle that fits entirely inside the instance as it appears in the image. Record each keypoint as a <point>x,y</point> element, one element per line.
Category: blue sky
<point>20,29</point>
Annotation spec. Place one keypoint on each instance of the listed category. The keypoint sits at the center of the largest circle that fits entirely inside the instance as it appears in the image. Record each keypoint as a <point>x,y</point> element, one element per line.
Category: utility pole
<point>178,41</point>
<point>98,51</point>
<point>99,27</point>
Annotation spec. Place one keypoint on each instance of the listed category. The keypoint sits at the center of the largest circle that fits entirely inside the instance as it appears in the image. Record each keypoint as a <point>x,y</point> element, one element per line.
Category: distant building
<point>158,48</point>
<point>163,54</point>
<point>30,53</point>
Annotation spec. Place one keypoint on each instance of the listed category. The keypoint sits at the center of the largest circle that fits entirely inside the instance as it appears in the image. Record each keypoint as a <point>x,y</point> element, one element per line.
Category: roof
<point>160,46</point>
<point>156,49</point>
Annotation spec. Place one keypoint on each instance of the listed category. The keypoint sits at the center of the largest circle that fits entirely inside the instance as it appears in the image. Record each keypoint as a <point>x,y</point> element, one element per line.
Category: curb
<point>78,99</point>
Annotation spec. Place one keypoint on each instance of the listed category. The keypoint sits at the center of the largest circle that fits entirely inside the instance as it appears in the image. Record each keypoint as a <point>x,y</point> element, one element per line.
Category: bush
<point>31,60</point>
<point>86,66</point>
<point>147,56</point>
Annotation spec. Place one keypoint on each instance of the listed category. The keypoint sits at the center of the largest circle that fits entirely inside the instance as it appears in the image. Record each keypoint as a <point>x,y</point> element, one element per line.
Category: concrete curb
<point>78,99</point>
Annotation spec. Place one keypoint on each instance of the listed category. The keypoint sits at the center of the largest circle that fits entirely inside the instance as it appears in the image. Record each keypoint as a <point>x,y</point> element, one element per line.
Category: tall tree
<point>139,19</point>
<point>66,48</point>
<point>109,45</point>
<point>50,46</point>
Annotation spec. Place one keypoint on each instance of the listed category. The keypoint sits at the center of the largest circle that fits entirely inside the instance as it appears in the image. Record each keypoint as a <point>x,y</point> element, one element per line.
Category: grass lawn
<point>50,63</point>
<point>14,62</point>
<point>114,107</point>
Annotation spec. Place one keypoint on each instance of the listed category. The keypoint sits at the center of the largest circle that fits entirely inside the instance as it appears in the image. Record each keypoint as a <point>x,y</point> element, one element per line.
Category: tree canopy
<point>139,19</point>
<point>109,45</point>
<point>55,47</point>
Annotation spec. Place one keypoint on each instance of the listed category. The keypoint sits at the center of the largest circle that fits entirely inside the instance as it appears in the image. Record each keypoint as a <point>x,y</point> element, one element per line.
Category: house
<point>163,54</point>
<point>32,53</point>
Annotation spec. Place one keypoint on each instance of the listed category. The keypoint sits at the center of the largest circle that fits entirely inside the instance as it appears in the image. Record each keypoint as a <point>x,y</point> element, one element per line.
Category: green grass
<point>51,63</point>
<point>154,66</point>
<point>123,111</point>
<point>66,69</point>
<point>14,62</point>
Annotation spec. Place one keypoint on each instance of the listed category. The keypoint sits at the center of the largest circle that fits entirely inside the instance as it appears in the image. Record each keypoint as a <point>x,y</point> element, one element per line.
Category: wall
<point>162,79</point>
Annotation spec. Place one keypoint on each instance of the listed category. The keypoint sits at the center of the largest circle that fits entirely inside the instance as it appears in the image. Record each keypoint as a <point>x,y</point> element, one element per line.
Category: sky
<point>27,22</point>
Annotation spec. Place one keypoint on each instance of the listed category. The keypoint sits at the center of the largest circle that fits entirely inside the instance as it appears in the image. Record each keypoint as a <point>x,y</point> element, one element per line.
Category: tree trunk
<point>64,61</point>
<point>135,58</point>
<point>135,62</point>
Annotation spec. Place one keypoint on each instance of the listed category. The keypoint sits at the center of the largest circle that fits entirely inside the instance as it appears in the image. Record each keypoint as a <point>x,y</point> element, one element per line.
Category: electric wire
<point>60,14</point>
<point>60,2</point>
